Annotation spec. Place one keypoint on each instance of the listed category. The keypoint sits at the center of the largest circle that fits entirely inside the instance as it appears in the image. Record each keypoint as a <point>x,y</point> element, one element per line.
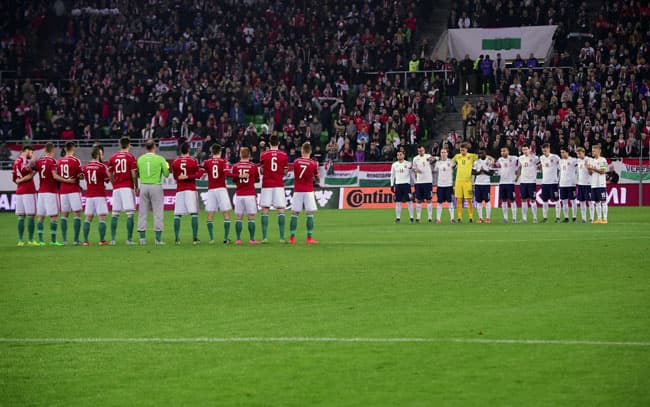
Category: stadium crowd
<point>167,68</point>
<point>599,97</point>
<point>180,69</point>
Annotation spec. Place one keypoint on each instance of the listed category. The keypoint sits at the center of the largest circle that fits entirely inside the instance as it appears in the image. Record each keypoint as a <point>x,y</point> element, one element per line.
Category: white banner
<point>507,41</point>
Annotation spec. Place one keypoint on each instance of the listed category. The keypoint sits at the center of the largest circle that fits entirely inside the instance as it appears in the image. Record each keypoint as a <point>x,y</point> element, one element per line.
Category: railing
<point>406,74</point>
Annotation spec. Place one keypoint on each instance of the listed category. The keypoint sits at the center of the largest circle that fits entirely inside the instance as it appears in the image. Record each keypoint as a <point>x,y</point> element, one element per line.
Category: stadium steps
<point>436,21</point>
<point>454,120</point>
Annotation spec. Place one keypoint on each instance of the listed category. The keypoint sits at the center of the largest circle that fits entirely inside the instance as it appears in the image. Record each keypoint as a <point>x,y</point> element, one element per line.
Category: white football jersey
<point>400,173</point>
<point>568,172</point>
<point>584,178</point>
<point>550,168</point>
<point>424,166</point>
<point>445,170</point>
<point>528,165</point>
<point>598,180</point>
<point>507,169</point>
<point>482,179</point>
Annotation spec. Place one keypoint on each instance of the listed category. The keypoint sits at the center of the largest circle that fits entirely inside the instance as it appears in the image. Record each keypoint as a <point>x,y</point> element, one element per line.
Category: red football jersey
<point>273,163</point>
<point>304,170</point>
<point>69,167</point>
<point>245,175</point>
<point>96,175</point>
<point>189,167</point>
<point>20,169</point>
<point>216,169</point>
<point>121,165</point>
<point>45,167</point>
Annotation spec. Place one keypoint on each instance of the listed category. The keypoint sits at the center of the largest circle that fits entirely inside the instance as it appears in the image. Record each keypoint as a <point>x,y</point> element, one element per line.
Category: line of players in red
<point>59,192</point>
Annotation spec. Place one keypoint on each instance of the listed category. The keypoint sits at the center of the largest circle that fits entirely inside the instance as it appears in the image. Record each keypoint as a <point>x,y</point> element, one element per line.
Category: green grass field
<point>488,315</point>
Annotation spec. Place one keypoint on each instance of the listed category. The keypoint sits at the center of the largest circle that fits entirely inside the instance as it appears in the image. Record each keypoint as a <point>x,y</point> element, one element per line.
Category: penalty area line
<point>484,341</point>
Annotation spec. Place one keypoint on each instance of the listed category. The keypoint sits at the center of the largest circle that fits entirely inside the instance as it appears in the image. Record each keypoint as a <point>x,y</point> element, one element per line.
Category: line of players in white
<point>578,182</point>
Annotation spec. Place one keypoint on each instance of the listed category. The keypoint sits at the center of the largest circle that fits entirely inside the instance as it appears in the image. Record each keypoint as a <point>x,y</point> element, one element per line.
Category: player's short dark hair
<point>546,145</point>
<point>69,146</point>
<point>25,148</point>
<point>465,145</point>
<point>150,145</point>
<point>244,152</point>
<point>564,149</point>
<point>215,149</point>
<point>482,150</point>
<point>125,141</point>
<point>185,148</point>
<point>95,152</point>
<point>420,146</point>
<point>49,147</point>
<point>274,140</point>
<point>306,148</point>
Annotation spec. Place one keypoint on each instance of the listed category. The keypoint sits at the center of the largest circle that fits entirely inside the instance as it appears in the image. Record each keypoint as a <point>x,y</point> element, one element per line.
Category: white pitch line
<point>331,339</point>
<point>609,238</point>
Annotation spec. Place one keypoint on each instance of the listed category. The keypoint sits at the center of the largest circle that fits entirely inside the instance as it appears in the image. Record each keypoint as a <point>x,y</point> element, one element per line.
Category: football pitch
<point>377,314</point>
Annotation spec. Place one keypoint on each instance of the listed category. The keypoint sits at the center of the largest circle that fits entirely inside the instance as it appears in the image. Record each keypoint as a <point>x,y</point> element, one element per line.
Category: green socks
<point>21,229</point>
<point>310,225</point>
<point>177,228</point>
<point>158,234</point>
<point>39,228</point>
<point>76,225</point>
<point>226,229</point>
<point>30,228</point>
<point>294,225</point>
<point>129,228</point>
<point>86,230</point>
<point>281,222</point>
<point>251,229</point>
<point>211,229</point>
<point>113,227</point>
<point>265,225</point>
<point>195,226</point>
<point>53,226</point>
<point>238,229</point>
<point>64,229</point>
<point>102,230</point>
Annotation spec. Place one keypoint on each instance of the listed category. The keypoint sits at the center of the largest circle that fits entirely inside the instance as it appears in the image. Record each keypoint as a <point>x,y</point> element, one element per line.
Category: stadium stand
<point>594,88</point>
<point>233,73</point>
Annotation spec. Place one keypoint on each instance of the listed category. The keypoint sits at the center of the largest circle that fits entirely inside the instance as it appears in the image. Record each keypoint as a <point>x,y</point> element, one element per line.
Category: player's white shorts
<point>47,204</point>
<point>217,199</point>
<point>245,205</point>
<point>71,202</point>
<point>273,197</point>
<point>186,202</point>
<point>303,200</point>
<point>96,206</point>
<point>123,200</point>
<point>26,204</point>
